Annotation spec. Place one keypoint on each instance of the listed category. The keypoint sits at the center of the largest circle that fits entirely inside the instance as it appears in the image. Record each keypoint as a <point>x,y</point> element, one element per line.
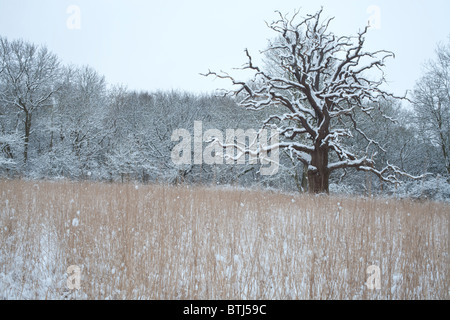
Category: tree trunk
<point>27,136</point>
<point>444,152</point>
<point>318,180</point>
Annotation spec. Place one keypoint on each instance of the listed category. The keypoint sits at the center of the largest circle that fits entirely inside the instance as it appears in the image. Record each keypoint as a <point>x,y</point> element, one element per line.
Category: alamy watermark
<point>73,22</point>
<point>261,147</point>
<point>375,16</point>
<point>374,280</point>
<point>74,278</point>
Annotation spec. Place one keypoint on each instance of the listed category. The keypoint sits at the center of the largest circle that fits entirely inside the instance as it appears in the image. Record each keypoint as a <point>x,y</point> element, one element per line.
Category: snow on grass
<point>160,242</point>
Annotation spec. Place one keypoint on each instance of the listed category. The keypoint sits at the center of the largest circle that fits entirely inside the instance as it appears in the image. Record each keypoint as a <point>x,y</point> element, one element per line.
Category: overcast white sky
<point>165,44</point>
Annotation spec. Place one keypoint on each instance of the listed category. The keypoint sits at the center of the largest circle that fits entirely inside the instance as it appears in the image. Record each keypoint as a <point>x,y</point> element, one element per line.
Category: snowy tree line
<point>67,121</point>
<point>325,90</point>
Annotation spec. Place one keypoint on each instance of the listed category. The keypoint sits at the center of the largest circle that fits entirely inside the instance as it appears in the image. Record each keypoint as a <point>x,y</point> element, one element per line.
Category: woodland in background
<point>66,121</point>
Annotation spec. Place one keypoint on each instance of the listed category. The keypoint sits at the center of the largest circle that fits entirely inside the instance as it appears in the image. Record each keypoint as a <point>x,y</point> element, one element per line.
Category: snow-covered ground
<point>160,242</point>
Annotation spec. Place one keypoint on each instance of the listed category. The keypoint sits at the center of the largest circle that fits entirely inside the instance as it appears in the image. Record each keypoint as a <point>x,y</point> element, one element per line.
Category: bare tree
<point>432,103</point>
<point>324,83</point>
<point>28,74</point>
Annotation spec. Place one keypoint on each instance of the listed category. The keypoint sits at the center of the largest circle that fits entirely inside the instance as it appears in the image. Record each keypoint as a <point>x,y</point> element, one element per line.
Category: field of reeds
<point>167,242</point>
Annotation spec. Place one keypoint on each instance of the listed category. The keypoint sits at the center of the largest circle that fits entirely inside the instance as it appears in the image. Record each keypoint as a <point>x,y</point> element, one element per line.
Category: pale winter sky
<point>165,44</point>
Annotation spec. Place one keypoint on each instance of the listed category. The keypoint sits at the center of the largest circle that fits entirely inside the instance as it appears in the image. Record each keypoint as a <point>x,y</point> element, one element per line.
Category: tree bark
<point>27,136</point>
<point>318,179</point>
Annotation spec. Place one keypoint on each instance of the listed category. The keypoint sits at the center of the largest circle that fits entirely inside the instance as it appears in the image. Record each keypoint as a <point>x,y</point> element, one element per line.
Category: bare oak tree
<point>325,80</point>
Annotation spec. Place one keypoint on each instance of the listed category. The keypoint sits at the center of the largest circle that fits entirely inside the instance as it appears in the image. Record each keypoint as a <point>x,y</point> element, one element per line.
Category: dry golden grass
<point>166,242</point>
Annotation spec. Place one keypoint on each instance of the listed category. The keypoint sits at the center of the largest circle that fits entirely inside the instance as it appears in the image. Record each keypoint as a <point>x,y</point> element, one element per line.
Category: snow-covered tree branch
<point>28,74</point>
<point>321,80</point>
<point>432,103</point>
